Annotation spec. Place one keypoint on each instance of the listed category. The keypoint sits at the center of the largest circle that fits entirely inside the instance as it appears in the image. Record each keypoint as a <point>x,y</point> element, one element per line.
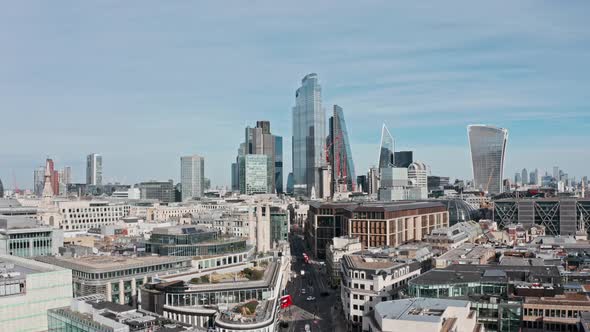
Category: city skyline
<point>436,77</point>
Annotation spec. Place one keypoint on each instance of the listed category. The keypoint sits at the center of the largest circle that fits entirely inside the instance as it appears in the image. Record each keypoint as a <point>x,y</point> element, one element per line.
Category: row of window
<point>564,313</point>
<point>129,272</point>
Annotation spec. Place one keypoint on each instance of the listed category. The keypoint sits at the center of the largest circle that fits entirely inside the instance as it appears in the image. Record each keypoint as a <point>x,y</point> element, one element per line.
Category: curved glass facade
<point>488,147</point>
<point>309,136</point>
<point>343,174</point>
<point>459,211</point>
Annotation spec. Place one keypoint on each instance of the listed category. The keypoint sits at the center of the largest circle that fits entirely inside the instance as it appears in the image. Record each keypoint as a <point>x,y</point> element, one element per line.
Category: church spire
<point>47,190</point>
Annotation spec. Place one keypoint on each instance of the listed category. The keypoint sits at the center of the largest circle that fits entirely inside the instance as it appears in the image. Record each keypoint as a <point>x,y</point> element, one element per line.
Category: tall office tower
<point>38,180</point>
<point>235,182</point>
<point>403,158</point>
<point>386,151</point>
<point>533,177</point>
<point>309,136</point>
<point>525,176</point>
<point>259,140</point>
<point>362,184</point>
<point>65,175</point>
<point>373,180</point>
<point>340,155</point>
<point>418,174</point>
<point>290,184</point>
<point>94,169</point>
<point>488,147</point>
<point>254,174</point>
<point>192,176</point>
<point>1,189</point>
<point>517,179</point>
<point>279,164</point>
<point>556,172</point>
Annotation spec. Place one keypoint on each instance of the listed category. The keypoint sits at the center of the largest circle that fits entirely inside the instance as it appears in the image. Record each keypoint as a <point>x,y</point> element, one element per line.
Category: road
<point>320,314</point>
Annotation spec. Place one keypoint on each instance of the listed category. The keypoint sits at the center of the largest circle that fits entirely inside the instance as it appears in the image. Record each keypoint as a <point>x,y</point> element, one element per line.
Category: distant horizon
<point>143,85</point>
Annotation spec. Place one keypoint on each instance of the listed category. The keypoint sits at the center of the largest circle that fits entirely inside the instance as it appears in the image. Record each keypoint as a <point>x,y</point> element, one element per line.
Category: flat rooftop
<point>25,266</point>
<point>14,223</point>
<point>370,261</point>
<point>379,206</point>
<point>182,230</point>
<point>417,309</point>
<point>567,299</point>
<point>109,263</point>
<point>466,251</point>
<point>463,273</point>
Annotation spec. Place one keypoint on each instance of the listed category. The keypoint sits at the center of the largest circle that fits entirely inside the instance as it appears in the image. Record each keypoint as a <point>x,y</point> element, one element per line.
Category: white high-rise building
<point>418,174</point>
<point>94,169</point>
<point>192,176</point>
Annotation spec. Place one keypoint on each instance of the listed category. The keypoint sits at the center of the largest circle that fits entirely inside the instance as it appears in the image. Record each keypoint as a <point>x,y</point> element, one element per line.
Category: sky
<point>145,82</point>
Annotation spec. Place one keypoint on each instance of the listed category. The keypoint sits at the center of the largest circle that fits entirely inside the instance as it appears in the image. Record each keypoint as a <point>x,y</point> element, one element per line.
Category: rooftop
<point>19,222</point>
<point>417,309</point>
<point>567,299</point>
<point>463,273</point>
<point>24,266</point>
<point>467,251</point>
<point>380,206</point>
<point>182,230</point>
<point>366,260</point>
<point>109,263</point>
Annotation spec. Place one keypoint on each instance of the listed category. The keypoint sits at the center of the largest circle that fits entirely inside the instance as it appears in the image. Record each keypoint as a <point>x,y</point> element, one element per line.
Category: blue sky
<point>144,82</point>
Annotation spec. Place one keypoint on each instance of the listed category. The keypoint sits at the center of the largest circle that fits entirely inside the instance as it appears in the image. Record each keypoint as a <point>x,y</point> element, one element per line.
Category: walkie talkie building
<point>488,147</point>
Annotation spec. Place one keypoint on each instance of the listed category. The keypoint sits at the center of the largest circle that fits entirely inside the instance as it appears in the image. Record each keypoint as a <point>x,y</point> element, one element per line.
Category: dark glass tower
<point>403,158</point>
<point>340,155</point>
<point>279,164</point>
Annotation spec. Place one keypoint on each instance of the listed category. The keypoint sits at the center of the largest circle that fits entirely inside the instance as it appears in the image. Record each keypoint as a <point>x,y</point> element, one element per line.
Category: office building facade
<point>377,224</point>
<point>488,148</point>
<point>279,188</point>
<point>192,177</point>
<point>94,169</point>
<point>260,141</point>
<point>254,174</point>
<point>160,190</point>
<point>309,136</point>
<point>118,278</point>
<point>343,177</point>
<point>38,180</point>
<point>403,158</point>
<point>32,289</point>
<point>24,237</point>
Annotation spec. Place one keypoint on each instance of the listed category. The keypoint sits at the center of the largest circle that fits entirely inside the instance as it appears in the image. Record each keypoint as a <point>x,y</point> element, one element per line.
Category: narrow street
<point>321,313</point>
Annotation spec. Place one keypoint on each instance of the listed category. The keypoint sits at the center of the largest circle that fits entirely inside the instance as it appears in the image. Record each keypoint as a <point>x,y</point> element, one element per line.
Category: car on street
<point>311,298</point>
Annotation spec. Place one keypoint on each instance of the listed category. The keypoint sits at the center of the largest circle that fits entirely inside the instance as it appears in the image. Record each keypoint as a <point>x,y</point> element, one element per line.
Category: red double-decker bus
<point>305,258</point>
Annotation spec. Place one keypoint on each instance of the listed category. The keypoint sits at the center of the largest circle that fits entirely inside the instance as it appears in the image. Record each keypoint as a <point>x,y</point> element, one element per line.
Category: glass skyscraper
<point>94,169</point>
<point>192,176</point>
<point>488,147</point>
<point>386,152</point>
<point>343,174</point>
<point>309,136</point>
<point>279,164</point>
